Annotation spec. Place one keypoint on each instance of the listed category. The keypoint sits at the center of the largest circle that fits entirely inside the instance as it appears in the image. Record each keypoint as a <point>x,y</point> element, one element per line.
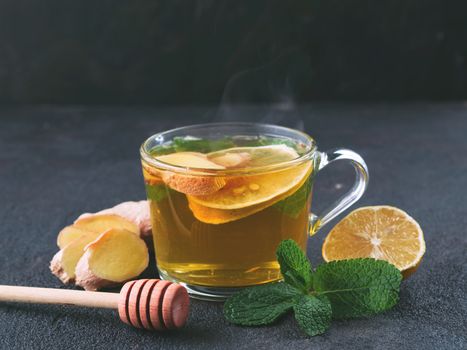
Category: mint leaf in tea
<point>297,202</point>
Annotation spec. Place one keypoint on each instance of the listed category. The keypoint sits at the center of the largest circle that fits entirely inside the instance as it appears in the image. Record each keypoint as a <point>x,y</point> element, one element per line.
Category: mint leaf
<point>358,287</point>
<point>313,314</point>
<point>157,192</point>
<point>295,203</point>
<point>295,266</point>
<point>161,150</point>
<point>267,141</point>
<point>260,305</point>
<point>182,144</point>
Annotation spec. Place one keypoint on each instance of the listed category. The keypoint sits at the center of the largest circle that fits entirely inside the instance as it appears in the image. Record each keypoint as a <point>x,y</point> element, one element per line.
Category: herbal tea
<point>220,208</point>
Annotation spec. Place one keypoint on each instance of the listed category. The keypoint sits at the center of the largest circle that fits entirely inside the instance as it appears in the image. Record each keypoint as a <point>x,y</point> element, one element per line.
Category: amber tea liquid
<point>223,230</point>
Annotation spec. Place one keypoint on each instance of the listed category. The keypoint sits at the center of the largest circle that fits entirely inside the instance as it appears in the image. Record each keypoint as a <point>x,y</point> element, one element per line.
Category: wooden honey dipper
<point>147,303</point>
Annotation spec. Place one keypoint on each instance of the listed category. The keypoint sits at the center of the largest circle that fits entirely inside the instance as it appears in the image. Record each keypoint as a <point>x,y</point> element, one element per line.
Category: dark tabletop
<point>57,162</point>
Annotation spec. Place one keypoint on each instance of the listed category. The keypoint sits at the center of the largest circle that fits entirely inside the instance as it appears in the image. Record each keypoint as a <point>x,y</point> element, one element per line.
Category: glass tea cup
<point>224,195</point>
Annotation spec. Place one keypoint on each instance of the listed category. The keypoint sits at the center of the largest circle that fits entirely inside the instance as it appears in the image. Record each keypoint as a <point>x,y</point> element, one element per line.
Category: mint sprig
<point>339,289</point>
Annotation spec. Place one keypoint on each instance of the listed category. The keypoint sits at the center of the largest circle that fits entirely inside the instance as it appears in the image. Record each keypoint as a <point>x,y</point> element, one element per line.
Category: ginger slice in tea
<point>231,159</point>
<point>189,160</point>
<point>191,184</point>
<point>253,156</point>
<point>238,157</point>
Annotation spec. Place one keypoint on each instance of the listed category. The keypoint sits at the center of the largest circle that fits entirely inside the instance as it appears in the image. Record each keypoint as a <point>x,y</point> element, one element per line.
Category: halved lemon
<point>245,191</point>
<point>379,232</point>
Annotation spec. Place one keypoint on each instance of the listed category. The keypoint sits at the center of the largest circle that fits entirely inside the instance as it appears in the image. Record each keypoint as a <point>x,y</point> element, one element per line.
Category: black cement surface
<point>58,162</point>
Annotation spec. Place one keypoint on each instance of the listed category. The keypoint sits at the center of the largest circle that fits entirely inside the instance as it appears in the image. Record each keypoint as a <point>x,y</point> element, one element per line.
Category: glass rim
<point>152,161</point>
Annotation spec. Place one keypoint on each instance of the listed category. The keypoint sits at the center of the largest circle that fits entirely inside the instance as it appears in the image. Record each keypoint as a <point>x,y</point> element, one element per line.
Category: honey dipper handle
<point>58,296</point>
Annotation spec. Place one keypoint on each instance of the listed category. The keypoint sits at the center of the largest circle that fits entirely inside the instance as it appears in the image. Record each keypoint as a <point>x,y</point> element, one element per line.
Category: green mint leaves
<point>200,145</point>
<point>339,289</point>
<point>358,287</point>
<point>295,266</point>
<point>295,203</point>
<point>157,192</point>
<point>184,144</point>
<point>313,314</point>
<point>260,305</point>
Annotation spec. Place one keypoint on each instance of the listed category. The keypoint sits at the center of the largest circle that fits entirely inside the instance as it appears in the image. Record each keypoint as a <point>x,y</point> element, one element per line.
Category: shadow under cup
<point>213,246</point>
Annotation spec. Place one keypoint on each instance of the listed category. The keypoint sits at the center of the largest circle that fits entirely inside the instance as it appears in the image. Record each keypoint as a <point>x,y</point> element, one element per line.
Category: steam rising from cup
<point>270,91</point>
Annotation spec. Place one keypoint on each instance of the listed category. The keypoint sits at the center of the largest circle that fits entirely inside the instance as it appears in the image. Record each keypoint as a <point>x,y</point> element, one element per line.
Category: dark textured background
<point>198,52</point>
<point>58,162</point>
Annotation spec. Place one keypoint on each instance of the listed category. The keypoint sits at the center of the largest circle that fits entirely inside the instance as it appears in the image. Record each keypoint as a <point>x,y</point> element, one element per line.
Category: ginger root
<point>63,263</point>
<point>116,256</point>
<point>73,240</point>
<point>135,212</point>
<point>101,223</point>
<point>68,235</point>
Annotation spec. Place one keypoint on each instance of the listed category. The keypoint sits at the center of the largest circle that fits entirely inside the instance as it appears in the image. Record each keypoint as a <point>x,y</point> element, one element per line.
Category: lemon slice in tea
<point>240,192</point>
<point>222,216</point>
<point>379,232</point>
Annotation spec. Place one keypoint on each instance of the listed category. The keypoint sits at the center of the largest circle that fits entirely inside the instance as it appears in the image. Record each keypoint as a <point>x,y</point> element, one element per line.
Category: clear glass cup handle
<point>349,198</point>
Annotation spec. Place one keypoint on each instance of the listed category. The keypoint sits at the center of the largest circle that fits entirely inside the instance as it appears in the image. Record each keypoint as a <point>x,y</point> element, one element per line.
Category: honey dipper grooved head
<point>153,304</point>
